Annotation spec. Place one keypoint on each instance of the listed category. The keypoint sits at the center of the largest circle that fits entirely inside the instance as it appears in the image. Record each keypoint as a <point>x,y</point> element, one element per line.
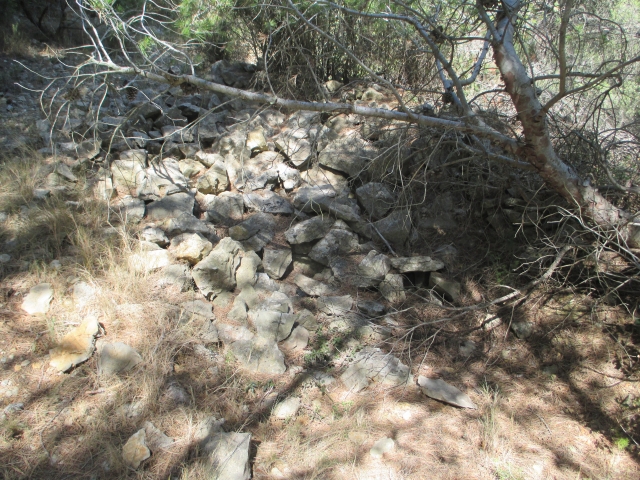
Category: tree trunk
<point>538,148</point>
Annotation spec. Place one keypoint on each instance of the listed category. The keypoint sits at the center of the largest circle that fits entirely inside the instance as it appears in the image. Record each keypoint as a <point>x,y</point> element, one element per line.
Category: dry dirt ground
<point>562,404</point>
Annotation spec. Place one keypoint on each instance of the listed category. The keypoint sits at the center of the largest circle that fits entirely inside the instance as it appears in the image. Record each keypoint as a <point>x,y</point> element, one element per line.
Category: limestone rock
<point>392,288</point>
<point>75,347</point>
<point>191,247</point>
<point>312,287</point>
<point>116,357</point>
<point>160,179</point>
<point>298,340</point>
<point>375,198</point>
<point>150,260</point>
<point>260,356</point>
<point>83,294</point>
<point>38,299</point>
<point>155,438</point>
<point>297,150</point>
<point>209,159</point>
<point>135,451</point>
<point>381,447</point>
<point>214,180</point>
<point>273,326</point>
<point>395,228</point>
<point>371,364</point>
<point>228,455</point>
<point>255,232</point>
<point>335,305</point>
<point>290,177</point>
<point>224,209</point>
<point>126,173</point>
<point>350,155</point>
<point>179,275</point>
<point>309,230</point>
<point>188,223</point>
<point>268,202</point>
<point>337,242</point>
<point>256,141</point>
<point>171,206</point>
<point>523,329</point>
<point>217,271</point>
<point>372,269</point>
<point>276,261</point>
<point>190,168</point>
<point>130,209</point>
<point>247,272</point>
<point>416,264</point>
<point>155,235</point>
<point>444,286</point>
<point>441,390</point>
<point>287,408</point>
<point>370,308</point>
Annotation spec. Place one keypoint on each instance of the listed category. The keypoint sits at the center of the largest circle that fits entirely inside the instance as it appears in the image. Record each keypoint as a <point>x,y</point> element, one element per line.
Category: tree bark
<point>538,149</point>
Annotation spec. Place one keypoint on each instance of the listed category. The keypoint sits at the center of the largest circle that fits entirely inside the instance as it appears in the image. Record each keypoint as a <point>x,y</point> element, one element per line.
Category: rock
<point>395,228</point>
<point>149,261</point>
<point>381,447</point>
<point>209,159</point>
<point>306,266</point>
<point>83,294</point>
<point>276,261</point>
<point>444,286</point>
<point>228,455</point>
<point>312,287</point>
<point>175,394</point>
<point>350,155</point>
<point>155,235</point>
<point>116,357</point>
<point>179,275</point>
<point>217,271</point>
<point>307,197</point>
<point>287,408</point>
<point>318,176</point>
<point>467,348</point>
<point>297,150</point>
<point>197,308</point>
<point>127,174</point>
<point>335,305</point>
<point>41,193</point>
<point>190,168</point>
<point>160,179</point>
<point>155,439</point>
<point>333,86</point>
<point>440,390</point>
<point>255,232</point>
<point>5,258</point>
<point>269,202</point>
<point>75,347</point>
<point>392,288</point>
<point>61,176</point>
<point>336,243</point>
<point>135,451</point>
<point>191,247</point>
<point>273,326</point>
<point>171,206</point>
<point>372,269</point>
<point>376,199</point>
<point>371,364</point>
<point>416,264</point>
<point>290,177</point>
<point>225,209</point>
<point>259,355</point>
<point>254,173</point>
<point>187,223</point>
<point>131,209</point>
<point>247,272</point>
<point>256,141</point>
<point>309,230</point>
<point>214,180</point>
<point>38,299</point>
<point>232,333</point>
<point>523,329</point>
<point>370,308</point>
<point>298,340</point>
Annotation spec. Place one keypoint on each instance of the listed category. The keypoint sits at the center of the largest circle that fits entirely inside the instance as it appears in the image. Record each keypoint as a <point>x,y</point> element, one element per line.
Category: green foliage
<point>622,443</point>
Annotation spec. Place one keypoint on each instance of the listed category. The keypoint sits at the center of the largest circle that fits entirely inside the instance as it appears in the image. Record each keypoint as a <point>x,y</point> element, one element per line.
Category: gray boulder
<point>268,202</point>
<point>191,247</point>
<point>309,230</point>
<point>117,357</point>
<point>217,271</point>
<point>395,228</point>
<point>225,209</point>
<point>373,365</point>
<point>228,455</point>
<point>312,287</point>
<point>276,261</point>
<point>416,264</point>
<point>337,242</point>
<point>214,180</point>
<point>171,206</point>
<point>373,269</point>
<point>441,390</point>
<point>255,232</point>
<point>350,155</point>
<point>375,198</point>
